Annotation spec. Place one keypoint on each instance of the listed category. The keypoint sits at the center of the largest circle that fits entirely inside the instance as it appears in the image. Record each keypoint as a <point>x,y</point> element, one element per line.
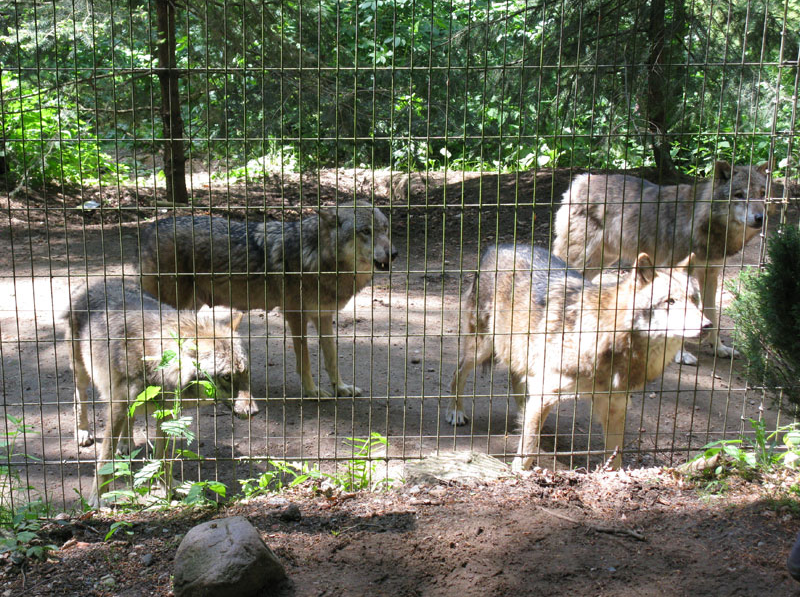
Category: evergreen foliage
<point>766,310</point>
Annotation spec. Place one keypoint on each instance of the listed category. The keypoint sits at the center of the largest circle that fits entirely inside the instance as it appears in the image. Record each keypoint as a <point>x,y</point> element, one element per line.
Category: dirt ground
<point>638,533</point>
<point>398,342</point>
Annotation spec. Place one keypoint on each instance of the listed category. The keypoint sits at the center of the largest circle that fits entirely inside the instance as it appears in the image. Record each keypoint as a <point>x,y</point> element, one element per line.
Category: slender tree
<point>174,156</point>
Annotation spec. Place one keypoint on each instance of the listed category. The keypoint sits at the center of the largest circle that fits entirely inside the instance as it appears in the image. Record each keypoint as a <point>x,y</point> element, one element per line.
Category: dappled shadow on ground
<point>632,533</point>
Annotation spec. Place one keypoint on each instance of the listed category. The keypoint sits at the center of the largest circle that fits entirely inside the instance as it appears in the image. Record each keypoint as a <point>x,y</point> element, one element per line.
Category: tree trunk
<point>657,91</point>
<point>174,157</point>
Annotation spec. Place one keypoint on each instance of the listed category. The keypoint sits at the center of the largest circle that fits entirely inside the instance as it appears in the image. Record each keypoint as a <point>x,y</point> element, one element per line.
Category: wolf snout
<point>755,220</point>
<point>384,260</point>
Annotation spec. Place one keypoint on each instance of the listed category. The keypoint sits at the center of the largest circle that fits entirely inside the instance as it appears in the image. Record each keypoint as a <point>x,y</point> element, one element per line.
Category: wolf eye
<point>225,378</point>
<point>670,301</point>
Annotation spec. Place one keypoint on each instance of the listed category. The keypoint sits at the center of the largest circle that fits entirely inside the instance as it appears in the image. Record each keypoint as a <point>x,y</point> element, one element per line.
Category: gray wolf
<point>604,219</point>
<point>310,269</point>
<point>560,334</point>
<point>117,336</point>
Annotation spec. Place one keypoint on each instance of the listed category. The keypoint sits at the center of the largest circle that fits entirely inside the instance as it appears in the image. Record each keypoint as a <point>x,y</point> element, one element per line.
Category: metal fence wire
<point>357,160</point>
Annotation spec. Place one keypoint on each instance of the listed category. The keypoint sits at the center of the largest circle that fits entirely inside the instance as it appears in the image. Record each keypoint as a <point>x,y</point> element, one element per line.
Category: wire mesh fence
<point>463,124</point>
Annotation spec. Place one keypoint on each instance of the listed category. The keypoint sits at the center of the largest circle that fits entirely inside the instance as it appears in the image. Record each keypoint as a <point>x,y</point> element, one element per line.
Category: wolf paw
<point>684,357</point>
<point>520,464</point>
<point>84,438</point>
<point>726,351</point>
<point>316,392</point>
<point>347,390</point>
<point>124,446</point>
<point>456,417</point>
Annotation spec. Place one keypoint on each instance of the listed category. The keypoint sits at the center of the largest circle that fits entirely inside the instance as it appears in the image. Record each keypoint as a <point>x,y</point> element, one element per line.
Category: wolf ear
<point>689,263</point>
<point>236,319</point>
<point>766,167</point>
<point>722,170</point>
<point>329,216</point>
<point>644,271</point>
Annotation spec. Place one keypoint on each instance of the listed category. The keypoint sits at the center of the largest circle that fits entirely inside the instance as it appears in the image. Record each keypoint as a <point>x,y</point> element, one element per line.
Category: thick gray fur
<point>310,269</point>
<point>610,218</point>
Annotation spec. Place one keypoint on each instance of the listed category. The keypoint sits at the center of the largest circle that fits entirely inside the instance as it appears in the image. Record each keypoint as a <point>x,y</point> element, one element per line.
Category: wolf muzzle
<point>384,263</point>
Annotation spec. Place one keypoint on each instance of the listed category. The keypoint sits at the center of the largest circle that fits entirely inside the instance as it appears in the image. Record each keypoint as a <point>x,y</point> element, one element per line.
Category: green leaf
<point>218,488</point>
<point>148,473</point>
<point>150,393</point>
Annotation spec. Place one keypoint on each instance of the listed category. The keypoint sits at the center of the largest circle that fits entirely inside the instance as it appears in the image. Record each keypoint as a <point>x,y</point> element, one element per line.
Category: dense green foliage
<point>404,83</point>
<point>767,315</point>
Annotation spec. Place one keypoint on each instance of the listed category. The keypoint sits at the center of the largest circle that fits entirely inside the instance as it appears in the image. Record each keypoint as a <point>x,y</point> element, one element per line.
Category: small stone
<point>147,559</point>
<point>291,514</point>
<point>108,581</point>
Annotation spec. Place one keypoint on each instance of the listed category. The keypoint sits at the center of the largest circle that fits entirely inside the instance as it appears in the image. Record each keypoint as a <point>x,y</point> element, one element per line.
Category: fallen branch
<point>607,466</point>
<point>598,528</point>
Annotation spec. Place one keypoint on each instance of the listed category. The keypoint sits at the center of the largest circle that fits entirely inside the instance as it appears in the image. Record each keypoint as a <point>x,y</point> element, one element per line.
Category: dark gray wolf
<point>117,336</point>
<point>560,334</point>
<point>310,269</point>
<point>608,218</point>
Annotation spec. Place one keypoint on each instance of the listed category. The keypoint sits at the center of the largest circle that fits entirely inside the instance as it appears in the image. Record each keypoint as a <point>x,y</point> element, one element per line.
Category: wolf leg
<point>710,310</point>
<point>708,278</point>
<point>327,342</point>
<point>702,274</point>
<point>82,380</point>
<point>117,423</point>
<point>533,415</point>
<point>455,410</point>
<point>298,325</point>
<point>518,390</point>
<point>611,409</point>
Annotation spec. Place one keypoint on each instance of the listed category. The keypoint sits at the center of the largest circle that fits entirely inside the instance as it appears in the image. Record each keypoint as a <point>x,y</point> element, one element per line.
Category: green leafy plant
<point>360,472</point>
<point>752,455</point>
<point>767,316</point>
<point>19,521</point>
<point>177,428</point>
<point>119,525</point>
<point>357,473</point>
<point>47,142</point>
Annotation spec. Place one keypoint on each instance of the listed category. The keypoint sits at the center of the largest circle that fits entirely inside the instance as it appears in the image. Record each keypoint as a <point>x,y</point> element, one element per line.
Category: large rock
<point>226,557</point>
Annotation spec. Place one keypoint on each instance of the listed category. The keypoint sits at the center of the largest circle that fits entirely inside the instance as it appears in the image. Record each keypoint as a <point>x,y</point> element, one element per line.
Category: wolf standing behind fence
<point>605,218</point>
<point>118,335</point>
<point>561,334</point>
<point>310,269</point>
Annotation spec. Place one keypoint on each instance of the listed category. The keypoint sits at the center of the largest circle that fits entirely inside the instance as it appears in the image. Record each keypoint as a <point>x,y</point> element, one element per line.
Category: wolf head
<point>362,234</point>
<point>666,304</point>
<point>743,189</point>
<point>218,353</point>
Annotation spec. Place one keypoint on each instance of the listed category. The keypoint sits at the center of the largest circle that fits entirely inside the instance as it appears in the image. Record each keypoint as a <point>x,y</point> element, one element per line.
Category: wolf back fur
<point>117,336</point>
<point>560,334</point>
<point>609,218</point>
<point>310,269</point>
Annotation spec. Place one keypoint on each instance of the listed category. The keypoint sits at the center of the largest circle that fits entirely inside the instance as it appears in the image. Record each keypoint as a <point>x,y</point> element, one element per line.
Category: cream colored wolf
<point>606,218</point>
<point>117,337</point>
<point>562,335</point>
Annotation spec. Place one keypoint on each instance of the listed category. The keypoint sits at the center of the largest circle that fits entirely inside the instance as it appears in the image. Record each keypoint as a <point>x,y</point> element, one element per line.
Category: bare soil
<point>641,532</point>
<point>398,339</point>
